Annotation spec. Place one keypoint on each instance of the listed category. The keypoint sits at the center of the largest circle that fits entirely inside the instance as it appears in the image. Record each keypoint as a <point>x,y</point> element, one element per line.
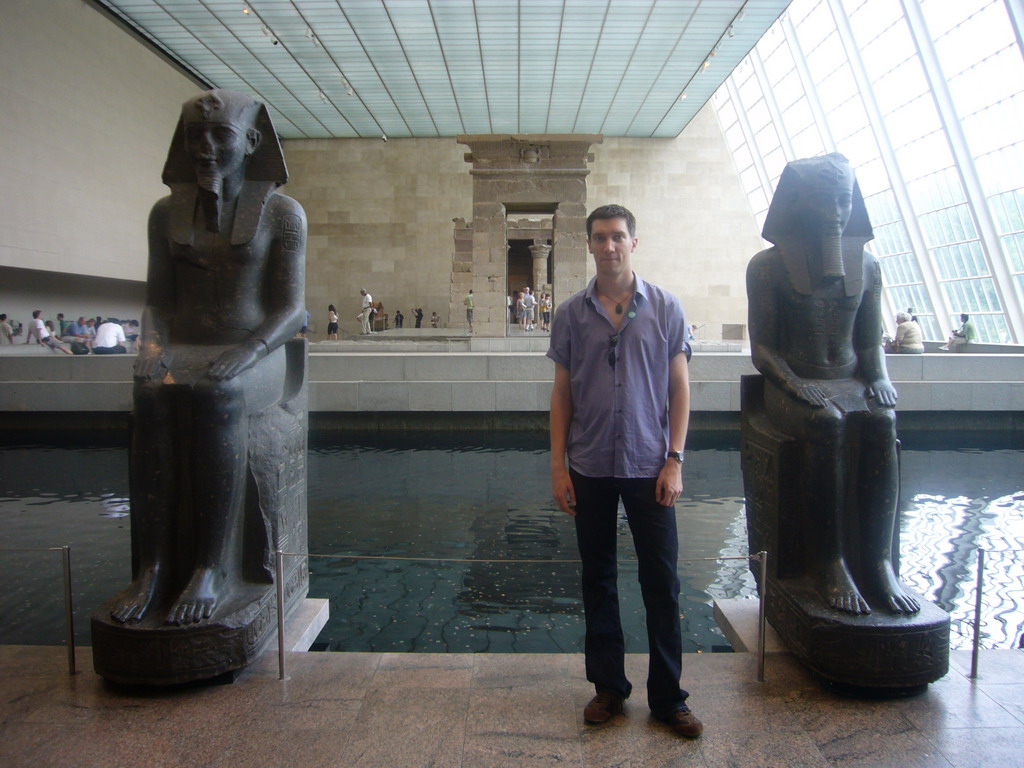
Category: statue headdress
<point>265,169</point>
<point>785,228</point>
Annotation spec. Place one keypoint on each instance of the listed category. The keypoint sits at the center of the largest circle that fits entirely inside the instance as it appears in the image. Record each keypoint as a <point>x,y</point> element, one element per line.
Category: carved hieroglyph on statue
<point>218,444</point>
<point>820,454</point>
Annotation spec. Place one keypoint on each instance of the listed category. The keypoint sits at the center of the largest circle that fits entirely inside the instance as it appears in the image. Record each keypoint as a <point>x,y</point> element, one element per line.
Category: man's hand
<point>670,483</point>
<point>233,361</point>
<point>149,363</point>
<point>884,392</point>
<point>562,490</point>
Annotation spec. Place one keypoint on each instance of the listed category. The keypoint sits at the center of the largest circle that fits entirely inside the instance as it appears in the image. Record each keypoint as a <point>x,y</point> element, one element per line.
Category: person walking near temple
<point>365,313</point>
<point>332,323</point>
<point>619,413</point>
<point>468,301</point>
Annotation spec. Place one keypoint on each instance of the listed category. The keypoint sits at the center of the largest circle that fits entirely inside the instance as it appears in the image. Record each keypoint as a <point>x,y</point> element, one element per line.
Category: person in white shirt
<point>38,329</point>
<point>110,338</point>
<point>529,307</point>
<point>366,312</point>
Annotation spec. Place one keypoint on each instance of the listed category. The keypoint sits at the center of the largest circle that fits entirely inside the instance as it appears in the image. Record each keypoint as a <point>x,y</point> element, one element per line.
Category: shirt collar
<point>641,294</point>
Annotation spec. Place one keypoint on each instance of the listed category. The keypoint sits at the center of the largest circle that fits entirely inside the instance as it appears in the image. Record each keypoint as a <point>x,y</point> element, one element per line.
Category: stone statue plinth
<point>885,654</point>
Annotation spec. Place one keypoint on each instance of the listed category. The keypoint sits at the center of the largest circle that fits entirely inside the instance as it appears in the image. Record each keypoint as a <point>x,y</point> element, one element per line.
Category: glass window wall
<point>926,98</point>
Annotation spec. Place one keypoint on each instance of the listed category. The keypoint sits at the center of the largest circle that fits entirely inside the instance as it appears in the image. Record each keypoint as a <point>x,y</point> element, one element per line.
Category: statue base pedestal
<point>880,654</point>
<point>150,652</point>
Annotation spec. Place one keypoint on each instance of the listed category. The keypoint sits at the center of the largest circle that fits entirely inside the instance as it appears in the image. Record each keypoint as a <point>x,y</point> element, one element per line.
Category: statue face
<point>828,204</point>
<point>219,148</point>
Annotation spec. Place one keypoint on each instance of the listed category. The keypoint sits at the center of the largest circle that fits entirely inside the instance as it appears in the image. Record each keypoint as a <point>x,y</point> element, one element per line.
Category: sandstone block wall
<point>381,217</point>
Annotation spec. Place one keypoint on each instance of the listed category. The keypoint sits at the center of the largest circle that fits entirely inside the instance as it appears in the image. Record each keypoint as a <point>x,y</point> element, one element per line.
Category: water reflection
<point>972,499</point>
<point>460,548</point>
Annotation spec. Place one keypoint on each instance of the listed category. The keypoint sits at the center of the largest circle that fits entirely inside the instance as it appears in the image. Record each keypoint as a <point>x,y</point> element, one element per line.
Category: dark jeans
<point>657,547</point>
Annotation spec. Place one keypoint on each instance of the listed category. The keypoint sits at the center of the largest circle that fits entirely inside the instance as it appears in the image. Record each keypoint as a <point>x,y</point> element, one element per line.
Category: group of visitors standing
<point>527,310</point>
<point>370,313</point>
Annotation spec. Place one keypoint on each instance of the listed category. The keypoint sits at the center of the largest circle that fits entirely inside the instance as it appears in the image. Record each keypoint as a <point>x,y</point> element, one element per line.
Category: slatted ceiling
<point>363,68</point>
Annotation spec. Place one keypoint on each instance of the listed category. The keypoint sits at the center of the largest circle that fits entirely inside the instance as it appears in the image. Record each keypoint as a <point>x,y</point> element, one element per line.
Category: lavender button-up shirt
<point>619,422</point>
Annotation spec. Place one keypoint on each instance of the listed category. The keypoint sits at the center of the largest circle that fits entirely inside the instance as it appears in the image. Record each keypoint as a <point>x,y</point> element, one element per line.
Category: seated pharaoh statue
<point>218,426</point>
<point>815,333</point>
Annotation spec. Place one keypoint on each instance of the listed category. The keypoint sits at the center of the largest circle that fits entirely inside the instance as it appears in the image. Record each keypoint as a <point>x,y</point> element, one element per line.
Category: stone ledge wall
<point>496,382</point>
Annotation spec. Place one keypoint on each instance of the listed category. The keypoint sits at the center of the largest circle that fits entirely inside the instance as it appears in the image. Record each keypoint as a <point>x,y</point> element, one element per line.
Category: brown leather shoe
<point>602,708</point>
<point>685,723</point>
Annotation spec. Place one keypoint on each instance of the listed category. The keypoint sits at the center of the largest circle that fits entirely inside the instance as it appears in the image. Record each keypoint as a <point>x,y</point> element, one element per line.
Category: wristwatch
<point>677,455</point>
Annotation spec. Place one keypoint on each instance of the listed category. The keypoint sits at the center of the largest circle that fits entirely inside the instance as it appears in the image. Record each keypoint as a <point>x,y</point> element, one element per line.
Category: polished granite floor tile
<point>409,727</point>
<point>987,747</point>
<point>502,710</point>
<point>635,740</point>
<point>729,749</point>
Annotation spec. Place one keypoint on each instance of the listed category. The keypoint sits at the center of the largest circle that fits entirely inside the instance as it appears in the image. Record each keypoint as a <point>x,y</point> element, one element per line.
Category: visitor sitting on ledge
<point>962,335</point>
<point>908,337</point>
<point>110,338</point>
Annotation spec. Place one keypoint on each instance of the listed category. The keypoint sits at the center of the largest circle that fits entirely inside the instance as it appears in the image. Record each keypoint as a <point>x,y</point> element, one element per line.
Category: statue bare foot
<point>198,599</point>
<point>140,596</point>
<point>840,591</point>
<point>897,599</point>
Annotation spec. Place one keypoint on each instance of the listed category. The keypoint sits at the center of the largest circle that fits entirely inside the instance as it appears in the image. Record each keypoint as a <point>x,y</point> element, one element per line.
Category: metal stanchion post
<point>761,618</point>
<point>977,613</point>
<point>280,615</point>
<point>69,612</point>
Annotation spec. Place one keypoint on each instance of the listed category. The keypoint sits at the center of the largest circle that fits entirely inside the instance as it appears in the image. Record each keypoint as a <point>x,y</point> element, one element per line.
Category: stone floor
<point>477,711</point>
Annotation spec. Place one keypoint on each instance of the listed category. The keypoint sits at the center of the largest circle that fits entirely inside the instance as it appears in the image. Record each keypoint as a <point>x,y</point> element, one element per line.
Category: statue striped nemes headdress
<point>786,224</point>
<point>265,168</point>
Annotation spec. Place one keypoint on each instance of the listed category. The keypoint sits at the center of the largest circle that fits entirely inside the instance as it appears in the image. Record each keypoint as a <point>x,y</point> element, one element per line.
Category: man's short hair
<point>902,317</point>
<point>612,212</point>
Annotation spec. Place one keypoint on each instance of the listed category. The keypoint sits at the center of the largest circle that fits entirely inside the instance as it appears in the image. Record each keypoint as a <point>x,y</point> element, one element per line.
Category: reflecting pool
<point>450,541</point>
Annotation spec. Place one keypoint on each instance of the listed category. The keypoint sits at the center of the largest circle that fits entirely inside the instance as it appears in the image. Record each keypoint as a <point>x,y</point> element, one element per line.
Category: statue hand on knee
<point>238,359</point>
<point>884,392</point>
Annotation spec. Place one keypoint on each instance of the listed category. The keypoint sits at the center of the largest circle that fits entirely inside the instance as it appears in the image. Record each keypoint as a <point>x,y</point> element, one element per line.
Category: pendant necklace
<point>618,302</point>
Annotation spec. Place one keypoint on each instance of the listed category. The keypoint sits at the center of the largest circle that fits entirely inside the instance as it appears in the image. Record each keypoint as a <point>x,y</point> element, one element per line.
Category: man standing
<point>620,410</point>
<point>365,312</point>
<point>529,305</point>
<point>6,330</point>
<point>468,301</point>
